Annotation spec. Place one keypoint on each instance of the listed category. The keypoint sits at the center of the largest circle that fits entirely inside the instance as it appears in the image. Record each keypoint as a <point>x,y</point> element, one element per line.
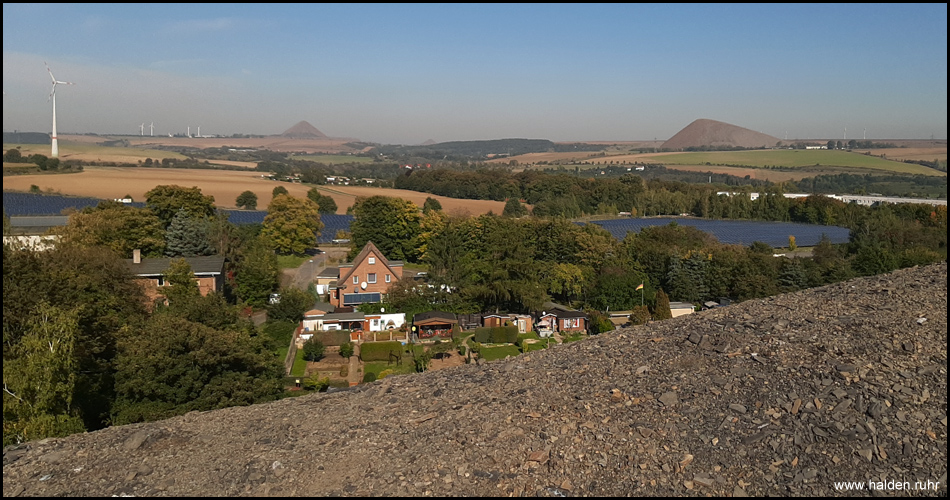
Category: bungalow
<point>524,322</point>
<point>433,324</point>
<point>366,279</point>
<point>208,271</point>
<point>560,319</point>
<point>681,308</point>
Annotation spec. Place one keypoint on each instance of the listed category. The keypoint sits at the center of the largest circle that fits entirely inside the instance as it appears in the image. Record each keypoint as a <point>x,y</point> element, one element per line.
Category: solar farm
<point>737,232</point>
<point>22,204</point>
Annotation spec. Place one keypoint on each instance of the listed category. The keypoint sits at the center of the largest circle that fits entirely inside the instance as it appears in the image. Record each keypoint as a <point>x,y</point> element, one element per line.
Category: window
<point>161,281</point>
<point>371,278</point>
<point>356,279</point>
<point>387,278</point>
<point>372,260</point>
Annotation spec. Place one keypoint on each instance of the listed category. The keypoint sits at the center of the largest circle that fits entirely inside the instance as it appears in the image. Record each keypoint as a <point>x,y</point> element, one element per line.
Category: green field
<point>107,153</point>
<point>334,159</point>
<point>794,158</point>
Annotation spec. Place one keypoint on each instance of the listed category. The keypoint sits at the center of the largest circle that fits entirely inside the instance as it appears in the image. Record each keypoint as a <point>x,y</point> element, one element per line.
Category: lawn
<point>573,338</point>
<point>290,261</point>
<point>300,365</point>
<point>375,367</point>
<point>537,346</point>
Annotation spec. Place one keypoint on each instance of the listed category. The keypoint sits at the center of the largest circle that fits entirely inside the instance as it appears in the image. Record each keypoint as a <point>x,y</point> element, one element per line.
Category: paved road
<point>307,272</point>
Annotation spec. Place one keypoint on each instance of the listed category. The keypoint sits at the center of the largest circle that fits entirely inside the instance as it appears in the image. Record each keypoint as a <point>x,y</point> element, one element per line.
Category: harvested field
<point>224,185</point>
<point>781,396</point>
<point>926,154</point>
<point>91,152</point>
<point>271,142</point>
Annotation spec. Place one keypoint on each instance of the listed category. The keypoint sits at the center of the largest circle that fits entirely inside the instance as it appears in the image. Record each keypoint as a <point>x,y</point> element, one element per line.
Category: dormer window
<point>372,260</point>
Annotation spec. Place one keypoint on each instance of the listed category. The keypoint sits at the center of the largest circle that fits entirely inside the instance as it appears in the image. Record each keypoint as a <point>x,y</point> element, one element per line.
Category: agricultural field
<point>785,158</point>
<point>224,185</point>
<point>333,159</point>
<point>86,151</point>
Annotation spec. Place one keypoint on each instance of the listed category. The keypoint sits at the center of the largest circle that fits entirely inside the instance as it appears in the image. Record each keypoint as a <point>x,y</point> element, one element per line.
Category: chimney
<point>136,256</point>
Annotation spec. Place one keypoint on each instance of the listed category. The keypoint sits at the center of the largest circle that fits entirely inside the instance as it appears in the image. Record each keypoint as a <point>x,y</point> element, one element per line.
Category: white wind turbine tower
<point>151,129</point>
<point>142,129</point>
<point>52,96</point>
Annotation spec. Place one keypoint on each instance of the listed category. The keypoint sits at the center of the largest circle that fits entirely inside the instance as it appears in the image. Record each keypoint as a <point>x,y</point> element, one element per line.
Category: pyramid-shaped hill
<point>713,133</point>
<point>303,130</point>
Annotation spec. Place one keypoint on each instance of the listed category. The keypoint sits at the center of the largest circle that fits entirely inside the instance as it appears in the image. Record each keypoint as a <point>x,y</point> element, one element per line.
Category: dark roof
<point>568,314</point>
<point>434,317</point>
<point>329,272</point>
<point>353,316</point>
<point>201,266</point>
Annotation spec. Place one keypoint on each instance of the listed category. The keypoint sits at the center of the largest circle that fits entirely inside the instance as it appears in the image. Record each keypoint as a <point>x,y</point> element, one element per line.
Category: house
<point>561,319</point>
<point>313,318</point>
<point>524,322</point>
<point>681,308</point>
<point>433,324</point>
<point>366,279</point>
<point>325,279</point>
<point>208,271</point>
<point>382,322</point>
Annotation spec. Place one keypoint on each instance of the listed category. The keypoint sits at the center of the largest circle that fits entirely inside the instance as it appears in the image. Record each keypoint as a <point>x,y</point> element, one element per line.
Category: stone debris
<point>780,396</point>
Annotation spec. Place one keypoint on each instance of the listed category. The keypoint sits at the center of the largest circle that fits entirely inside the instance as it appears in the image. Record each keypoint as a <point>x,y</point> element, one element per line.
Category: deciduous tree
<point>292,224</point>
<point>166,200</point>
<point>247,200</point>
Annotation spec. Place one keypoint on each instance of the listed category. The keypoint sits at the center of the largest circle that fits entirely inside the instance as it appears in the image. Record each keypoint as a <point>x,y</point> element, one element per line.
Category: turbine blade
<point>50,72</point>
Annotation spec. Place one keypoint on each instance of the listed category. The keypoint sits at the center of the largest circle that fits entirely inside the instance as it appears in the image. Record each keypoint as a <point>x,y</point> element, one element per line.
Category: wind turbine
<point>52,97</point>
<point>151,129</point>
<point>142,129</point>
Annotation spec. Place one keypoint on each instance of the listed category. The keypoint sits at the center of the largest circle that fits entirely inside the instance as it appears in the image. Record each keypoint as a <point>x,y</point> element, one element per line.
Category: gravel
<point>781,397</point>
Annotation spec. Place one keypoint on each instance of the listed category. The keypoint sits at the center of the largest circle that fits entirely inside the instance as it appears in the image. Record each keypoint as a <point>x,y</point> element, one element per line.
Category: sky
<point>407,73</point>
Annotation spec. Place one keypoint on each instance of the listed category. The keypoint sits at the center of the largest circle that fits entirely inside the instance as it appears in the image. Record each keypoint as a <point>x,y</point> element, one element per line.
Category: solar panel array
<point>20,204</point>
<point>737,232</point>
<point>331,222</point>
<point>46,204</point>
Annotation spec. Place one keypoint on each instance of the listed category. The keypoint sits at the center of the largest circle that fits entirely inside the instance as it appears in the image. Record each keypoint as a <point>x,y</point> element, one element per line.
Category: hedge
<point>496,334</point>
<point>332,337</point>
<point>379,351</point>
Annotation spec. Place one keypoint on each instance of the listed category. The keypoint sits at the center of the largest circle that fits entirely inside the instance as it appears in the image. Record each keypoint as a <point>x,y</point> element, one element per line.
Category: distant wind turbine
<point>151,129</point>
<point>142,129</point>
<point>52,97</point>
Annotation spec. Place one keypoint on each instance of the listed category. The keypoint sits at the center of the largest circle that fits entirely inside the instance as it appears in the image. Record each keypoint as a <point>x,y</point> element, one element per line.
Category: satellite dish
<point>363,285</point>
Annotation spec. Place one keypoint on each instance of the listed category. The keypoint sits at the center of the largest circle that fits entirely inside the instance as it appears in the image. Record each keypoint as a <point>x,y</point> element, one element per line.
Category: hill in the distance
<point>303,130</point>
<point>712,133</point>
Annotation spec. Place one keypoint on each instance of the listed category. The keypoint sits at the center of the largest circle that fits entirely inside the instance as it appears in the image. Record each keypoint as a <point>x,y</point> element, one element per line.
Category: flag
<point>640,287</point>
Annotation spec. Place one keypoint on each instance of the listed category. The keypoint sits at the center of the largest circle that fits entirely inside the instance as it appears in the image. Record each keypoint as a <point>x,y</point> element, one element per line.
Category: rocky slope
<point>780,396</point>
<point>714,133</point>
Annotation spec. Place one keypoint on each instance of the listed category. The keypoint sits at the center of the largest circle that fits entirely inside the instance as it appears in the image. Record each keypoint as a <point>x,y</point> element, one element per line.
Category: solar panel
<point>47,204</point>
<point>737,232</point>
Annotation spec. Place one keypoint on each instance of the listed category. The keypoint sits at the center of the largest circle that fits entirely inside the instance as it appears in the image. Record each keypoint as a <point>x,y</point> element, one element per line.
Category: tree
<point>291,306</point>
<point>181,282</point>
<point>39,380</point>
<point>346,350</point>
<point>831,144</point>
<point>313,349</point>
<point>247,200</point>
<point>326,204</point>
<point>640,315</point>
<point>13,155</point>
<point>430,205</point>
<point>514,208</point>
<point>91,285</point>
<point>6,222</point>
<point>257,274</point>
<point>117,226</point>
<point>166,200</point>
<point>292,224</point>
<point>392,224</point>
<point>279,190</point>
<point>662,310</point>
<point>187,236</point>
<point>182,366</point>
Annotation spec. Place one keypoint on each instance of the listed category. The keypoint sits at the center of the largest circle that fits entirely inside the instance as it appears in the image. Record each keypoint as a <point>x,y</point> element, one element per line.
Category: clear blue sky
<point>394,73</point>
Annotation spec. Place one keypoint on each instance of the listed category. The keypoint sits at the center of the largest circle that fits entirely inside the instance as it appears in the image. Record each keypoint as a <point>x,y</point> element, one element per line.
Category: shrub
<point>313,350</point>
<point>640,315</point>
<point>385,373</point>
<point>315,383</point>
<point>483,334</point>
<point>346,350</point>
<point>462,350</point>
<point>369,377</point>
<point>599,322</point>
<point>380,351</point>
